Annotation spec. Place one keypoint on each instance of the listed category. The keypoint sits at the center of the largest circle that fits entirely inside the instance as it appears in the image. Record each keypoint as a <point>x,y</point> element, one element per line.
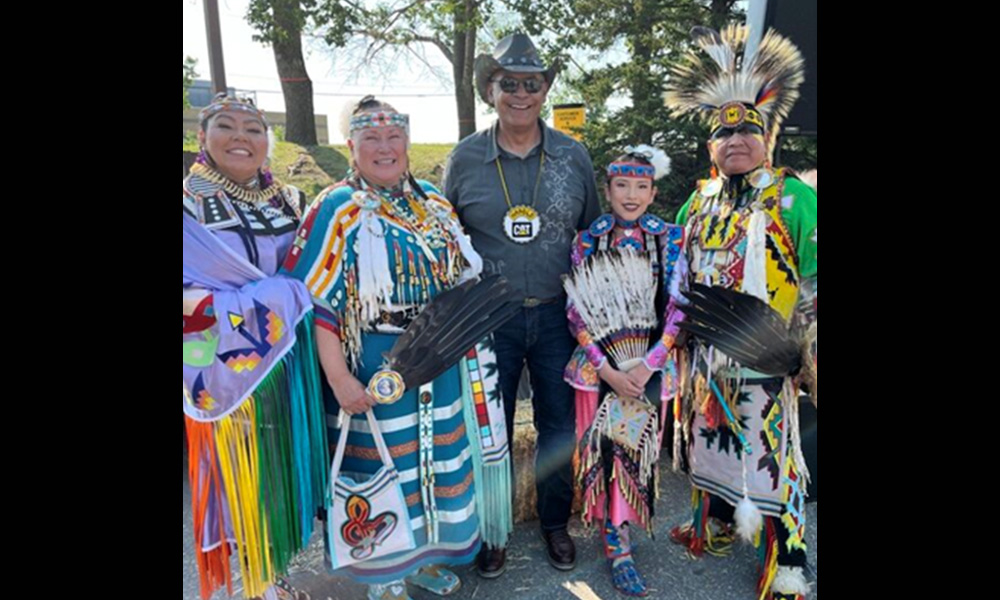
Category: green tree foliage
<point>624,48</point>
<point>189,76</point>
<point>404,28</point>
<point>798,152</point>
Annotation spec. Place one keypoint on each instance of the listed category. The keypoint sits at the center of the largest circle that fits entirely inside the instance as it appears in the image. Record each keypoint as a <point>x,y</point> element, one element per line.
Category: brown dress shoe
<point>491,562</point>
<point>561,550</point>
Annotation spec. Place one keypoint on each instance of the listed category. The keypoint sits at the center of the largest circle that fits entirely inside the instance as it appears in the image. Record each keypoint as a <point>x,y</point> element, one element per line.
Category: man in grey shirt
<point>522,190</point>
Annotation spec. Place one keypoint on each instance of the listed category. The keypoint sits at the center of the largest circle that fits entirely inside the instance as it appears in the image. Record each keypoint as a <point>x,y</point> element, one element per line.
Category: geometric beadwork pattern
<point>770,437</point>
<point>793,518</point>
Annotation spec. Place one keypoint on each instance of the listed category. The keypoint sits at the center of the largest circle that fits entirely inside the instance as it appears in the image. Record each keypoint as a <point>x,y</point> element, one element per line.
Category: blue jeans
<point>540,336</point>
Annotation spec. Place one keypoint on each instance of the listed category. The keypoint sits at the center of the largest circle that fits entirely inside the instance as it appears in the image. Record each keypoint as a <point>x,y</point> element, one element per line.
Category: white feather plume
<point>658,158</point>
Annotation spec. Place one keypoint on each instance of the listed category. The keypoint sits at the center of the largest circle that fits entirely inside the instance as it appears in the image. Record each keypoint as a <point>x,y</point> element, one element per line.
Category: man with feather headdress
<point>750,228</point>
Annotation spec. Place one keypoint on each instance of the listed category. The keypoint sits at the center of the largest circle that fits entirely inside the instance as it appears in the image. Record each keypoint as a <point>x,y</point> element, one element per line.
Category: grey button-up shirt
<point>566,203</point>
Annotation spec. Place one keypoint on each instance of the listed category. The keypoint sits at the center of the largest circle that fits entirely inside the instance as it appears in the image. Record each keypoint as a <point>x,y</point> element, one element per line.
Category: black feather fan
<point>744,328</point>
<point>452,323</point>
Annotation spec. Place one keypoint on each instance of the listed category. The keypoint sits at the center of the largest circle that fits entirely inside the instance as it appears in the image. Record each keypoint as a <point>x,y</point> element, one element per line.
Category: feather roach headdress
<point>732,86</point>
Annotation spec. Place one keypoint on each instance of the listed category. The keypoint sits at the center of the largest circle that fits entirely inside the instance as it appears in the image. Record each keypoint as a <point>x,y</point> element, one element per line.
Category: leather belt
<point>531,302</point>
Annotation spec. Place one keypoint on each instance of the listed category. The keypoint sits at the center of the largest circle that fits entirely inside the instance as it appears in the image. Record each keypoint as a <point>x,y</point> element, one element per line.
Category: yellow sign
<point>568,118</point>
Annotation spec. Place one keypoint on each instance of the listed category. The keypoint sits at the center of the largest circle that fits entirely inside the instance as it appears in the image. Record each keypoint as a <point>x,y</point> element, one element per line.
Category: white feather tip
<point>748,519</point>
<point>790,580</point>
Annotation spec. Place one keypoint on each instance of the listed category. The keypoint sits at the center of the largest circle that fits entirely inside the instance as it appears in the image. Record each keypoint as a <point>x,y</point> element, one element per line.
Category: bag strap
<point>345,430</point>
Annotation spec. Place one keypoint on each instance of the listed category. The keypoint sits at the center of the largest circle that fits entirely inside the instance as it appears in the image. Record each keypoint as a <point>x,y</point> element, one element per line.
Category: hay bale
<point>523,454</point>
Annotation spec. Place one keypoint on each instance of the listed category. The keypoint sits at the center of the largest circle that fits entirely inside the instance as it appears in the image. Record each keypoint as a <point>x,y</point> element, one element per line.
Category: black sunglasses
<point>744,128</point>
<point>510,84</point>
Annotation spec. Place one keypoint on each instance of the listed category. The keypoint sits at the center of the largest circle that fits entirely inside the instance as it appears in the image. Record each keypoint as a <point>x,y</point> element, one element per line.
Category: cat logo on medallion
<point>521,224</point>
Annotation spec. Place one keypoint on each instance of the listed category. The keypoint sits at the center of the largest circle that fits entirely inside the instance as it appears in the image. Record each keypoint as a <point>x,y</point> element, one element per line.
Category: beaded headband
<point>224,102</point>
<point>623,169</point>
<point>380,119</point>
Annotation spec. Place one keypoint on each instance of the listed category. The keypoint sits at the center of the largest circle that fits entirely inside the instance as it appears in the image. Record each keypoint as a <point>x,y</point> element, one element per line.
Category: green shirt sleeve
<point>799,212</point>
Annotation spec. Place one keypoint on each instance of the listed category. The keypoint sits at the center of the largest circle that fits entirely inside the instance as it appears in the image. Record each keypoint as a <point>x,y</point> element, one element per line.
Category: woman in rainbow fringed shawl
<point>750,228</point>
<point>373,250</point>
<point>618,477</point>
<point>252,401</point>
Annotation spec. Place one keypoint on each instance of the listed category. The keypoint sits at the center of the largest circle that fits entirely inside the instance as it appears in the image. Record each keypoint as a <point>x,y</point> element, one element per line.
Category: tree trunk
<point>464,58</point>
<point>646,89</point>
<point>296,87</point>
